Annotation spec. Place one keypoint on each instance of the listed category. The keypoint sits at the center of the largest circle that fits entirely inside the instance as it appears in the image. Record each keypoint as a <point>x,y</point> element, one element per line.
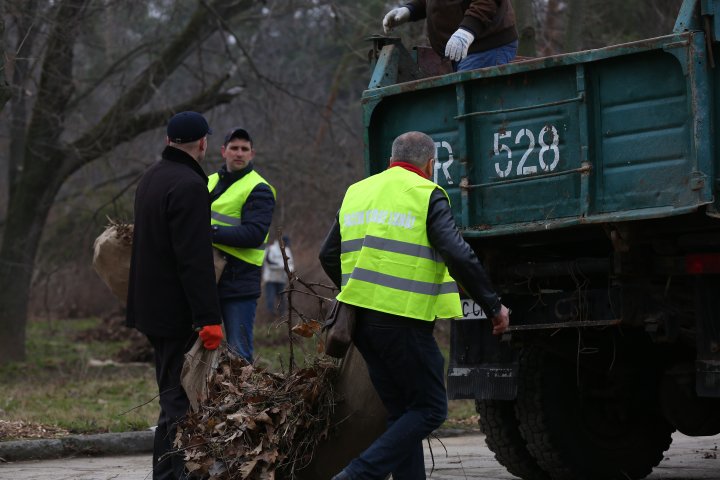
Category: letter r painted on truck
<point>443,165</point>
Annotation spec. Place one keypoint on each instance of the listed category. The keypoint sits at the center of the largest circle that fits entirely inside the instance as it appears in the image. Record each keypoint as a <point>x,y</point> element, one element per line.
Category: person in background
<point>242,208</point>
<point>172,293</point>
<point>473,33</point>
<point>274,276</point>
<point>391,251</point>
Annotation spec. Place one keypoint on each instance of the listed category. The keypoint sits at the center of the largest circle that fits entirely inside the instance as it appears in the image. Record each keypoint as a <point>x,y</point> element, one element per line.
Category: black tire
<point>502,435</point>
<point>598,430</point>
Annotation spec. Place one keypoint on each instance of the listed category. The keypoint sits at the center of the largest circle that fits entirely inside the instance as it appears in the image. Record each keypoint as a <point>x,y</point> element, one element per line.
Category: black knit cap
<point>187,127</point>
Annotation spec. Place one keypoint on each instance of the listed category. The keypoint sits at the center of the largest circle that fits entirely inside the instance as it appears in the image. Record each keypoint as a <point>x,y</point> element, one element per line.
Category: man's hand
<point>396,16</point>
<point>457,47</point>
<point>211,336</point>
<point>501,321</point>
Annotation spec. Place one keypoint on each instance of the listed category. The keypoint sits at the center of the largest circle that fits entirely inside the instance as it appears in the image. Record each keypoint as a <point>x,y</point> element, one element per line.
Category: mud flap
<point>481,366</point>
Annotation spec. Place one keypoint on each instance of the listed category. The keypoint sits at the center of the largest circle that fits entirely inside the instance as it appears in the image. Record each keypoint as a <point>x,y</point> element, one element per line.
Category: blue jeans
<point>406,369</point>
<point>488,58</point>
<point>239,318</point>
<point>274,299</point>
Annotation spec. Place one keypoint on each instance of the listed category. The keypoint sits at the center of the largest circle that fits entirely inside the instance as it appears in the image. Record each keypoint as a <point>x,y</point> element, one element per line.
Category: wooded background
<point>87,87</point>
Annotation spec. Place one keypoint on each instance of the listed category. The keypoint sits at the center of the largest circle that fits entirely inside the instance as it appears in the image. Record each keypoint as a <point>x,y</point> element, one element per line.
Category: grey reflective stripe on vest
<point>412,286</point>
<point>225,219</point>
<point>392,246</point>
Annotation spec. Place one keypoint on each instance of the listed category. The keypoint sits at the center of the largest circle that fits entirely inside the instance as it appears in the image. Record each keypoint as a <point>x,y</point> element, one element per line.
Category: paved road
<point>467,457</point>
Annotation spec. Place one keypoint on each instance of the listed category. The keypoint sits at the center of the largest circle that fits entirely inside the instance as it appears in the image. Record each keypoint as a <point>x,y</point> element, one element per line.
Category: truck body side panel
<point>621,133</point>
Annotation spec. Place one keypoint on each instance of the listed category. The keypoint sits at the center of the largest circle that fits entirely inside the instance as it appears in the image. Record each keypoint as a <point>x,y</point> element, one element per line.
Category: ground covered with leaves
<point>256,424</point>
<point>20,429</point>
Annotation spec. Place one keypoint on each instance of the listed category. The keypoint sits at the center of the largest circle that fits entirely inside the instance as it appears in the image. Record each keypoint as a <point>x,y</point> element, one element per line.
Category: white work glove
<point>457,47</point>
<point>396,16</point>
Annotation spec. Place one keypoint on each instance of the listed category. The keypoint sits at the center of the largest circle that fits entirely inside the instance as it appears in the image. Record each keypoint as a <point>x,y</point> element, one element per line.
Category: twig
<point>289,295</point>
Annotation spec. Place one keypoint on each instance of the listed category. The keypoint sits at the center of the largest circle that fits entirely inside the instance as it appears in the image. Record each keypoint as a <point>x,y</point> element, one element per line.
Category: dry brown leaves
<point>258,425</point>
<point>22,430</point>
<point>307,329</point>
<point>123,231</point>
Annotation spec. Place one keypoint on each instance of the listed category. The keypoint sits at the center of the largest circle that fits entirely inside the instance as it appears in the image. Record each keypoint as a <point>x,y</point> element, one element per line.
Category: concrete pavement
<point>456,458</point>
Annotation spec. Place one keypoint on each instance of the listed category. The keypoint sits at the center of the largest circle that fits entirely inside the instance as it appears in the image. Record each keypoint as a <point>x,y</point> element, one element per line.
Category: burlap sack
<point>220,261</point>
<point>111,258</point>
<point>199,363</point>
<point>339,327</point>
<point>359,419</point>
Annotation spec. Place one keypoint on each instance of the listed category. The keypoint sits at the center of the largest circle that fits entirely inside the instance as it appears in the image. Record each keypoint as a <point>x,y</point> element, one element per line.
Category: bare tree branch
<point>119,64</point>
<point>55,88</point>
<point>122,123</point>
<point>126,128</point>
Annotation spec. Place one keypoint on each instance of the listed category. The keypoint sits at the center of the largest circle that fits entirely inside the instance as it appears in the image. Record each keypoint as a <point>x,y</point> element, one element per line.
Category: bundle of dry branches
<point>122,231</point>
<point>256,424</point>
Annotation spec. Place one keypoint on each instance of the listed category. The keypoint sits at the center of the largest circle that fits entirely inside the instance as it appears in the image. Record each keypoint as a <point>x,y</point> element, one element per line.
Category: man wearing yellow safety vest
<point>394,251</point>
<point>241,213</point>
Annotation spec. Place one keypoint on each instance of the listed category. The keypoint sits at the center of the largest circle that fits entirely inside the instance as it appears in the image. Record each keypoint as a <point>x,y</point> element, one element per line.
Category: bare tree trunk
<point>47,162</point>
<point>4,86</point>
<point>27,33</point>
<point>574,28</point>
<point>552,28</point>
<point>17,258</point>
<point>5,95</point>
<point>34,188</point>
<point>525,18</point>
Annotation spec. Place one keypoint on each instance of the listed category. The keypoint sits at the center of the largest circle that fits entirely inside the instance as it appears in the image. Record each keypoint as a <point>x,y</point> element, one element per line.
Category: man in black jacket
<point>367,257</point>
<point>172,293</point>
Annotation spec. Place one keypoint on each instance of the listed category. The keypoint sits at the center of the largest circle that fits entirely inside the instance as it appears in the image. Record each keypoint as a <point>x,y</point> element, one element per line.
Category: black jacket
<point>241,279</point>
<point>172,279</point>
<point>444,236</point>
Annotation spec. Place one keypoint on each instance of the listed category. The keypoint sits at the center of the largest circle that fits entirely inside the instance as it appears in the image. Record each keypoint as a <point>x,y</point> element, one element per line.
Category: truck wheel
<point>599,431</point>
<point>502,435</point>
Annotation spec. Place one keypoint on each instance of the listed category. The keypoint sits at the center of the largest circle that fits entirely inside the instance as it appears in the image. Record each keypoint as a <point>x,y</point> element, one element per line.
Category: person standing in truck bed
<point>471,33</point>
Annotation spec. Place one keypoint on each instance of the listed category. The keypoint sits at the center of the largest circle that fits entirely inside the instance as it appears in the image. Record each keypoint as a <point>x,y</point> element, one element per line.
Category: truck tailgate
<point>620,133</point>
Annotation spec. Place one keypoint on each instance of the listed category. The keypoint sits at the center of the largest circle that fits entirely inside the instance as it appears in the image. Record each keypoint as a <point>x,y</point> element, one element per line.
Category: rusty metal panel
<point>620,133</point>
<point>643,134</point>
<point>525,147</point>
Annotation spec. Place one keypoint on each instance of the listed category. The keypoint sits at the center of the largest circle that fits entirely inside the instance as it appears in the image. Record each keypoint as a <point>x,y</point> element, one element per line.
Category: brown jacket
<point>491,21</point>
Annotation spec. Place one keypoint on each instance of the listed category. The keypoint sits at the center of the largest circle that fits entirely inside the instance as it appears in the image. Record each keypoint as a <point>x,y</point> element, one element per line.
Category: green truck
<point>588,185</point>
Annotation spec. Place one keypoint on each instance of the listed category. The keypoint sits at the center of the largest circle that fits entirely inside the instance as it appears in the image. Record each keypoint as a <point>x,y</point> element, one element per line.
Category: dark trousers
<point>174,404</point>
<point>406,369</point>
<point>274,299</point>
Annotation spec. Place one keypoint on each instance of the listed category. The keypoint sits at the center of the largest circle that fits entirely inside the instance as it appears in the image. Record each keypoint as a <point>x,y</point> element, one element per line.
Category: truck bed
<point>609,135</point>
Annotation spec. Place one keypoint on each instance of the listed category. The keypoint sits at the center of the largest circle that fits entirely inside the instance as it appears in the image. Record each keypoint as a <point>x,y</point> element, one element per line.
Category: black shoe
<point>341,476</point>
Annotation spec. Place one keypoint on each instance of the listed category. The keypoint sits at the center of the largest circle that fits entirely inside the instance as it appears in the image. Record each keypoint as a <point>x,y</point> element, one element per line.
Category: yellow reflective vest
<point>227,210</point>
<point>387,262</point>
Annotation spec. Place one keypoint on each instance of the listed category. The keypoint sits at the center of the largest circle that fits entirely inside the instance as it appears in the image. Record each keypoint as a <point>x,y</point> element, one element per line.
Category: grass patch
<point>57,386</point>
